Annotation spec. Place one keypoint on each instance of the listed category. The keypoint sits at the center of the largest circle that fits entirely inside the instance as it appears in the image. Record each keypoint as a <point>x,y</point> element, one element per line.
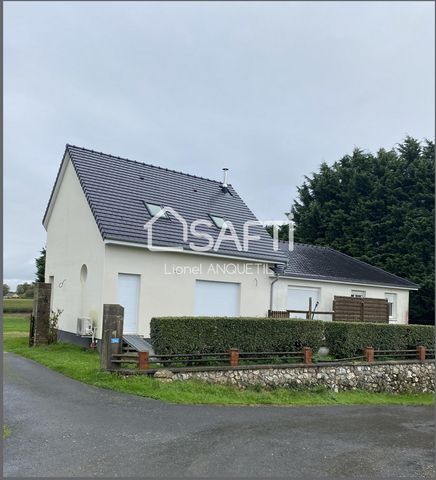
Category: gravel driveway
<point>60,427</point>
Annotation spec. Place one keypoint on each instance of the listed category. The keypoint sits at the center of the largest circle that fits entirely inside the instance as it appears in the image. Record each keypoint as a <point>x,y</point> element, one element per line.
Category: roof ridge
<point>310,245</point>
<point>68,145</point>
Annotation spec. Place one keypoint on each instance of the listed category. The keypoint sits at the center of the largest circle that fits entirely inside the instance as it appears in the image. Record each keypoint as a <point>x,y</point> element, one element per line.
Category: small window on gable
<point>218,221</point>
<point>154,209</point>
<point>358,293</point>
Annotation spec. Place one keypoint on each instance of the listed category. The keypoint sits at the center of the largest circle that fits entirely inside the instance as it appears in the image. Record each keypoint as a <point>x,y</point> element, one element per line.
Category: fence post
<point>40,326</point>
<point>368,353</point>
<point>143,360</point>
<point>420,353</point>
<point>112,334</point>
<point>234,357</point>
<point>31,330</point>
<point>307,355</point>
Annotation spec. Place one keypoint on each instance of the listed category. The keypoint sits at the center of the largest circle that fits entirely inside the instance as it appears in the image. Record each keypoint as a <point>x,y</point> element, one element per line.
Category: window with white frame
<point>358,293</point>
<point>392,304</point>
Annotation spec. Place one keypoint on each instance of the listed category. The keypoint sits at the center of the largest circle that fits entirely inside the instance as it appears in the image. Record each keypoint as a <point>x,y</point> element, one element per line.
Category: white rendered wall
<point>167,293</point>
<point>329,289</point>
<point>73,239</point>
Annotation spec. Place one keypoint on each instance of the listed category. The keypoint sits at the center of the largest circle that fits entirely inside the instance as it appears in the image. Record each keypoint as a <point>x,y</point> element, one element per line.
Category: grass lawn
<point>82,365</point>
<point>17,325</point>
<point>17,305</point>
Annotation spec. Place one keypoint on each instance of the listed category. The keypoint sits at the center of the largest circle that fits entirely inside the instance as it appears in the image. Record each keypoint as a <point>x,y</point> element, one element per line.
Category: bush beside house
<point>346,339</point>
<point>218,334</point>
<point>171,335</point>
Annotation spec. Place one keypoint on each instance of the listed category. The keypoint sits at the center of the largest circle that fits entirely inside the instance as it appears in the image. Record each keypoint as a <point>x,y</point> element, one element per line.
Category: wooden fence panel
<point>350,309</point>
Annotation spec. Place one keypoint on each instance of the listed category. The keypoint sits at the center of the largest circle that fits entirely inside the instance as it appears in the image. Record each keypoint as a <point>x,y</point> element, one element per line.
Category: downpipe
<point>271,294</point>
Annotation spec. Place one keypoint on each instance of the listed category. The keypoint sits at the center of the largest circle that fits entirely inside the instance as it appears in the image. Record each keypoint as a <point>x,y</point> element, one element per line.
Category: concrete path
<point>60,427</point>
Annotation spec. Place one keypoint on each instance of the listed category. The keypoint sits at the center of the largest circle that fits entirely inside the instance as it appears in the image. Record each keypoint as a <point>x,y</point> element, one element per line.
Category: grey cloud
<point>269,90</point>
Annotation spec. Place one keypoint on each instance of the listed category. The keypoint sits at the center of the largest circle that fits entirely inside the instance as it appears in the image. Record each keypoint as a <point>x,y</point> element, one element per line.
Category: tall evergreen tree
<point>40,267</point>
<point>380,209</point>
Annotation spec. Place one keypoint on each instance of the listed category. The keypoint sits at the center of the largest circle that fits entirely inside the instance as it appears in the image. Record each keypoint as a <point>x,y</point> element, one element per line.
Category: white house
<point>322,273</point>
<point>188,260</point>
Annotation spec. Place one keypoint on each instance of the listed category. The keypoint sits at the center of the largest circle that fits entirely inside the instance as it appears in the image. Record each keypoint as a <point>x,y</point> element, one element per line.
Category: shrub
<point>346,339</point>
<point>217,334</point>
<point>53,325</point>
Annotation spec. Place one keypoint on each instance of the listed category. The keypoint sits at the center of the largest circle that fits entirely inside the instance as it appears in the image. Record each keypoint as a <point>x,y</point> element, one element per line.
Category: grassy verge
<point>17,305</point>
<point>18,325</point>
<point>82,365</point>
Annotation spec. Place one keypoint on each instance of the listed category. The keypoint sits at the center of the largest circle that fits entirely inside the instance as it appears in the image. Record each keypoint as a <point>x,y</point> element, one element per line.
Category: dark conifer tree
<point>378,208</point>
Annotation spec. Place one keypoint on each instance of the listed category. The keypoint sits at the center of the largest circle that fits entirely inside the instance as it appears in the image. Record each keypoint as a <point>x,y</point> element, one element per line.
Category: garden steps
<point>136,343</point>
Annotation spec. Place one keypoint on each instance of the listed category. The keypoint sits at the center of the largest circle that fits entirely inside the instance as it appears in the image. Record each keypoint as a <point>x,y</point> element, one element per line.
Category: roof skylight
<point>154,209</point>
<point>218,221</point>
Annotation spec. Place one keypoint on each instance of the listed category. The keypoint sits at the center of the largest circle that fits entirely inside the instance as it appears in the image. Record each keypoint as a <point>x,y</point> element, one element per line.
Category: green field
<point>17,305</point>
<point>83,365</point>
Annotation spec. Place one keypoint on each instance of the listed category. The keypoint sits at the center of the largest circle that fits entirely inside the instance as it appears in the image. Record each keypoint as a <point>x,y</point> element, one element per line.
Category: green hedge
<point>218,334</point>
<point>346,339</point>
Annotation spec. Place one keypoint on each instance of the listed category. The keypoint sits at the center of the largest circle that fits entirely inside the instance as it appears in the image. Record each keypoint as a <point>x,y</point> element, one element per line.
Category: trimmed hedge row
<point>171,335</point>
<point>348,339</point>
<point>218,334</point>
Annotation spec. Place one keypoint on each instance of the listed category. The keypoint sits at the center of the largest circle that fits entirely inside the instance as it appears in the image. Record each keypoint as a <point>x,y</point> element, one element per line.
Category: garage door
<point>298,299</point>
<point>217,298</point>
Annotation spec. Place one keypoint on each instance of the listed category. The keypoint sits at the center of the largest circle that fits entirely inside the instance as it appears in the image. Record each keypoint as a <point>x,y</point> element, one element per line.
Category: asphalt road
<point>60,427</point>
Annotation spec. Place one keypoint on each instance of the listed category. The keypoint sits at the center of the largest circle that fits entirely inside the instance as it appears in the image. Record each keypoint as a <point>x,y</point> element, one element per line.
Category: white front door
<point>219,299</point>
<point>128,297</point>
<point>298,299</point>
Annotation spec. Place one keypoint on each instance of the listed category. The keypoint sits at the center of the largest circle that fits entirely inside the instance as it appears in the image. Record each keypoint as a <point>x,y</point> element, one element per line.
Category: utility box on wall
<point>84,327</point>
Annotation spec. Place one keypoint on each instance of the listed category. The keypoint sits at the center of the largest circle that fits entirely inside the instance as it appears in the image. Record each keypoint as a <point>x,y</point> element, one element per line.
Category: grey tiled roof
<point>116,189</point>
<point>323,263</point>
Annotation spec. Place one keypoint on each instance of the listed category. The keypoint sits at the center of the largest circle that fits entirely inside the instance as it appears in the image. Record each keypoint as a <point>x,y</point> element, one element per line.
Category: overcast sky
<point>269,90</point>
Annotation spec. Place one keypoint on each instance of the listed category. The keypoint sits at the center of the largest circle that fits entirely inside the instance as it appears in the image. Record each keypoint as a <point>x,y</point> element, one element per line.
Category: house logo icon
<point>148,227</point>
<point>227,227</point>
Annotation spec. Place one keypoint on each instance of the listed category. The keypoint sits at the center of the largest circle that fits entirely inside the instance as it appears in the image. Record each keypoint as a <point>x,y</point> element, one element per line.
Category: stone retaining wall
<point>378,377</point>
